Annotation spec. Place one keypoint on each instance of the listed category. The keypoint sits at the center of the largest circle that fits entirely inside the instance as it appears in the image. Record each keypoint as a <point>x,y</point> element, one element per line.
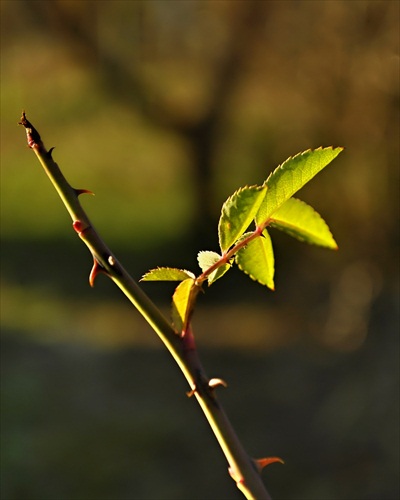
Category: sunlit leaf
<point>182,304</point>
<point>218,273</point>
<point>237,213</point>
<point>206,259</point>
<point>291,176</point>
<point>167,274</point>
<point>301,221</point>
<point>257,260</point>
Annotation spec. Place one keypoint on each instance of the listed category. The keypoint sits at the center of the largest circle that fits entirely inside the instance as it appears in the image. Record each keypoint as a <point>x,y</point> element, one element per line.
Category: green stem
<point>242,468</point>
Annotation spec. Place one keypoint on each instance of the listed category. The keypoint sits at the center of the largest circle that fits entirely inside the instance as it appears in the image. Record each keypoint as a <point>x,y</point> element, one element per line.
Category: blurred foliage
<point>164,108</point>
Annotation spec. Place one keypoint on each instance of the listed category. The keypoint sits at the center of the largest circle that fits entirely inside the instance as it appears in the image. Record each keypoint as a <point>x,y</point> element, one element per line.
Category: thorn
<point>263,462</point>
<point>96,269</point>
<point>189,394</point>
<point>83,191</point>
<point>50,152</point>
<point>215,382</point>
<point>194,389</point>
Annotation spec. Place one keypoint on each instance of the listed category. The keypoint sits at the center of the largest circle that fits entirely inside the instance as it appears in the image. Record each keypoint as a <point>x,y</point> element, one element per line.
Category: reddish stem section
<point>32,134</point>
<point>78,226</point>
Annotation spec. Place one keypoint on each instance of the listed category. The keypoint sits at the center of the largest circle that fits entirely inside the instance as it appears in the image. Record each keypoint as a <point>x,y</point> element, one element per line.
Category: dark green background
<point>163,109</point>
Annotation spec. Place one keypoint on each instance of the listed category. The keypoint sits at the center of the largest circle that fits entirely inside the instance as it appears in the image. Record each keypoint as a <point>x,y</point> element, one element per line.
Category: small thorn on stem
<point>215,382</point>
<point>83,191</point>
<point>96,270</point>
<point>263,462</point>
<point>191,393</point>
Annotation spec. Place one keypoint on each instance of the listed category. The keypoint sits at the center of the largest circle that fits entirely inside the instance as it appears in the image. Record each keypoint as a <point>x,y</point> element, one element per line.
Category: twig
<point>244,470</point>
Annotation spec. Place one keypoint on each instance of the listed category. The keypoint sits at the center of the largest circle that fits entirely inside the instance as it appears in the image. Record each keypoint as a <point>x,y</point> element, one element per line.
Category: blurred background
<point>163,109</point>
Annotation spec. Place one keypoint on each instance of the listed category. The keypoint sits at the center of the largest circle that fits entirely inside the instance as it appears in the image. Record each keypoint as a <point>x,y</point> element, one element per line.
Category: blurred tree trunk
<point>246,20</point>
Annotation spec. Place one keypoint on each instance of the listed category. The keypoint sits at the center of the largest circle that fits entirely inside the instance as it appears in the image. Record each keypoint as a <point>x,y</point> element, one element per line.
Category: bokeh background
<point>163,108</point>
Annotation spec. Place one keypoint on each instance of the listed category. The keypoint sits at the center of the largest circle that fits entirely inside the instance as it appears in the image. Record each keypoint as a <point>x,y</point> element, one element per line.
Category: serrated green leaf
<point>167,274</point>
<point>301,221</point>
<point>206,259</point>
<point>218,273</point>
<point>182,304</point>
<point>291,176</point>
<point>237,213</point>
<point>257,260</point>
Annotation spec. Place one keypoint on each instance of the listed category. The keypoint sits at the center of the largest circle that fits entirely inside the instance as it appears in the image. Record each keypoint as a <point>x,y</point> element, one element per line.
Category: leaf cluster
<point>269,205</point>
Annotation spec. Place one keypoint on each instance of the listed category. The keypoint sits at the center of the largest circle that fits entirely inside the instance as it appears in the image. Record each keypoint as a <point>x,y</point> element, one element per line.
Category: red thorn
<point>191,393</point>
<point>96,269</point>
<point>263,462</point>
<point>83,191</point>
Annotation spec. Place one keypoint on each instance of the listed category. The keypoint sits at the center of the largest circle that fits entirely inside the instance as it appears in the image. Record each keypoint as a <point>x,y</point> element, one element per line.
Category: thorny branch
<point>244,470</point>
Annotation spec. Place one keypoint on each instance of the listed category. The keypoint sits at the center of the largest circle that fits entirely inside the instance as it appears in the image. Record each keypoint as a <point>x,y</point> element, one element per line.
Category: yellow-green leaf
<point>218,273</point>
<point>182,304</point>
<point>167,274</point>
<point>237,213</point>
<point>291,176</point>
<point>301,221</point>
<point>257,260</point>
<point>206,259</point>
